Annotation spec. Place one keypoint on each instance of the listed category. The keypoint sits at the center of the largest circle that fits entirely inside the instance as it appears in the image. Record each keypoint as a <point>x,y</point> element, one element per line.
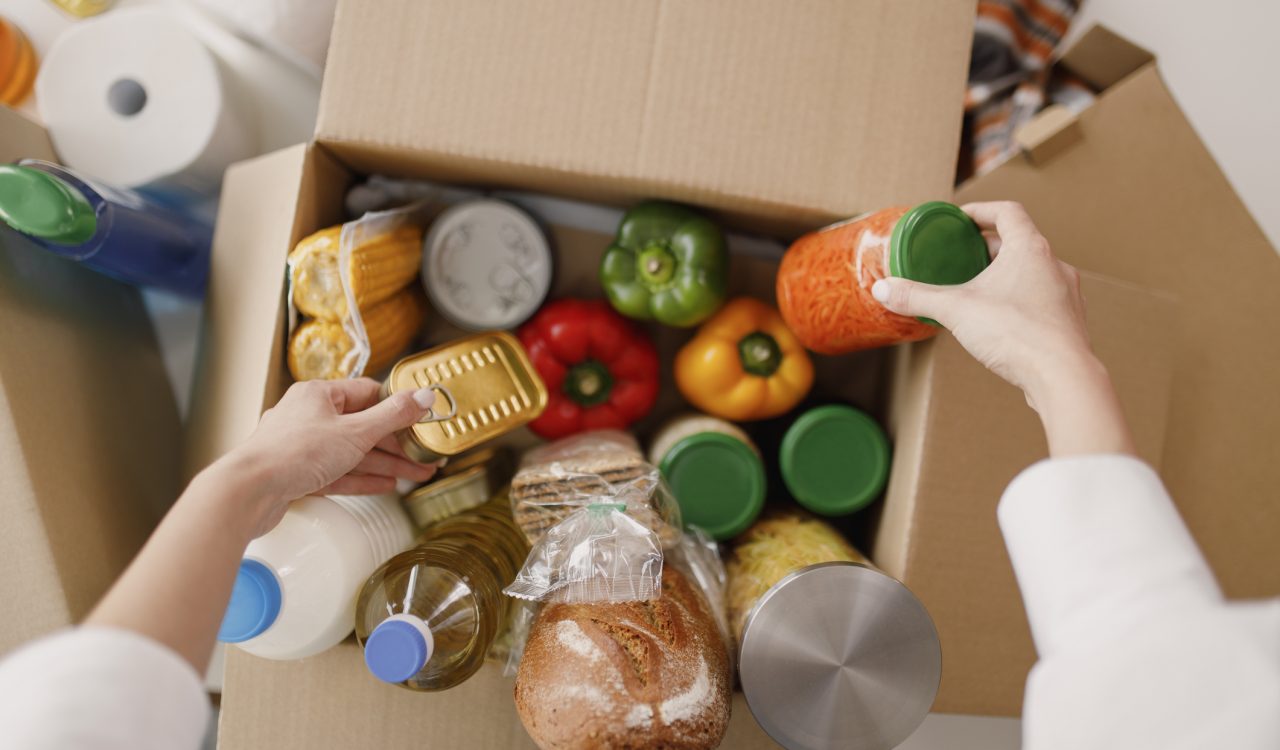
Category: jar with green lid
<point>715,472</point>
<point>825,279</point>
<point>834,460</point>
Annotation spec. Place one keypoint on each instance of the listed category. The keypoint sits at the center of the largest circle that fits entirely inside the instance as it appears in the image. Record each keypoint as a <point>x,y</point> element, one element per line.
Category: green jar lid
<point>41,205</point>
<point>718,481</point>
<point>835,460</point>
<point>937,243</point>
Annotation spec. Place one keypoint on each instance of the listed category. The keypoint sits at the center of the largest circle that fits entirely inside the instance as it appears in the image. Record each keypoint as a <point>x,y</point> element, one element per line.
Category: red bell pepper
<point>601,370</point>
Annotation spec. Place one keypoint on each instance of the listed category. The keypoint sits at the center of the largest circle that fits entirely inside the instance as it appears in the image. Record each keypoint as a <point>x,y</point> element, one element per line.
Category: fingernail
<point>442,463</point>
<point>880,290</point>
<point>424,397</point>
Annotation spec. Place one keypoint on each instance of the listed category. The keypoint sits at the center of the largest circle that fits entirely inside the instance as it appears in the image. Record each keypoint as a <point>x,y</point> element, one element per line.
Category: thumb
<point>912,298</point>
<point>395,412</point>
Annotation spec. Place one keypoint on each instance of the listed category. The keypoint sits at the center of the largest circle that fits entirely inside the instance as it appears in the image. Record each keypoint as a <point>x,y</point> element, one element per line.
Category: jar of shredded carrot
<point>824,282</point>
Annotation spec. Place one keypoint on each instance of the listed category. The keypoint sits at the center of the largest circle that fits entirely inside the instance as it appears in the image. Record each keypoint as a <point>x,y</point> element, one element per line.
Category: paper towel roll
<point>134,98</point>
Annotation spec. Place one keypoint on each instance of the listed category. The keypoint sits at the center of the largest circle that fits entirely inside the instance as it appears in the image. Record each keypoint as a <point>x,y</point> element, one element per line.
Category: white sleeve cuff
<point>1095,541</point>
<point>98,687</point>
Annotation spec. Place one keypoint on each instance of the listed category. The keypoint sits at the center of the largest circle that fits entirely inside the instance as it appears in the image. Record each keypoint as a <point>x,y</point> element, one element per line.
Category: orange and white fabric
<point>1011,77</point>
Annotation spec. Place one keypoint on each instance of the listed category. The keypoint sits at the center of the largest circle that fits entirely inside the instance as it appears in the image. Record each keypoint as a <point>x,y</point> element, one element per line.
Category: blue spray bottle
<point>112,230</point>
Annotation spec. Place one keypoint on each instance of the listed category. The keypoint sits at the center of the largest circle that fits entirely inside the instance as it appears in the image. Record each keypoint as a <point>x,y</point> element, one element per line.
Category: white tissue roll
<point>134,98</point>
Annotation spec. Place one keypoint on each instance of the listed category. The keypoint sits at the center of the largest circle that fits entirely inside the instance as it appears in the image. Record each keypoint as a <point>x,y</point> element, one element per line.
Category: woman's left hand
<point>329,436</point>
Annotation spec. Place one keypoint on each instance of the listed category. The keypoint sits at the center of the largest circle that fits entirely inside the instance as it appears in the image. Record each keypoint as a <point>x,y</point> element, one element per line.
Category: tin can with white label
<point>486,265</point>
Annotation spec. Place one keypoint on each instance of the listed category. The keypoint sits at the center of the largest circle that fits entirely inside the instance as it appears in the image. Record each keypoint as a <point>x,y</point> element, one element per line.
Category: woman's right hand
<point>1024,319</point>
<point>327,437</point>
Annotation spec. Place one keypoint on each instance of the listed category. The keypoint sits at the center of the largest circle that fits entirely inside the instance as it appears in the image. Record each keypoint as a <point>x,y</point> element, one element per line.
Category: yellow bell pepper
<point>744,364</point>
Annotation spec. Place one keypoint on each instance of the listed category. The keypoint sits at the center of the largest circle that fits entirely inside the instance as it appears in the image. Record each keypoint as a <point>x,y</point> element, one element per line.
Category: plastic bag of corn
<point>358,283</point>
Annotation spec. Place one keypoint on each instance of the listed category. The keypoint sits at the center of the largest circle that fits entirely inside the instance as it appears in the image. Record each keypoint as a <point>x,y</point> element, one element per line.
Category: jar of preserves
<point>824,281</point>
<point>714,470</point>
<point>834,460</point>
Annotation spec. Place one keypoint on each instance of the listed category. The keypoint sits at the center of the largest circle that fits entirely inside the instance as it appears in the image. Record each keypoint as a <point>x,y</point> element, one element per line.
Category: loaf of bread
<point>634,675</point>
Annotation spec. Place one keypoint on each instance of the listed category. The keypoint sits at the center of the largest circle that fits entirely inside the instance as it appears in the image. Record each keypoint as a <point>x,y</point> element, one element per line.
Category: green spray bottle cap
<point>41,205</point>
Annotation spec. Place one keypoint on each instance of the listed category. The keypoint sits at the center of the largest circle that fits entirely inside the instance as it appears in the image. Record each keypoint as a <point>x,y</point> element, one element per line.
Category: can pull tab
<point>435,416</point>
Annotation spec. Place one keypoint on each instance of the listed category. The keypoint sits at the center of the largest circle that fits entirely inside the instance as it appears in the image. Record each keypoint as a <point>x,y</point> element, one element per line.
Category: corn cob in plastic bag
<point>381,264</point>
<point>322,350</point>
<point>358,281</point>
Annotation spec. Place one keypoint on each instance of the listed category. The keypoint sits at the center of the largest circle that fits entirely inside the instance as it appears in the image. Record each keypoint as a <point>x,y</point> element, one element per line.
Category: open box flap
<point>1103,58</point>
<point>1131,193</point>
<point>961,434</point>
<point>267,204</point>
<point>23,138</point>
<point>798,113</point>
<point>89,430</point>
<point>1138,197</point>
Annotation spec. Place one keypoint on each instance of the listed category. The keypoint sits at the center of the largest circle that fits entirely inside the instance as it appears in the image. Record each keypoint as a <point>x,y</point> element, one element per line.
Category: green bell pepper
<point>667,264</point>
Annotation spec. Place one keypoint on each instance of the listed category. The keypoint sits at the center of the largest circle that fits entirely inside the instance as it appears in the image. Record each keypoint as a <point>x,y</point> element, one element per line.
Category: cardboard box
<point>768,113</point>
<point>89,431</point>
<point>331,699</point>
<point>782,114</point>
<point>1124,189</point>
<point>503,117</point>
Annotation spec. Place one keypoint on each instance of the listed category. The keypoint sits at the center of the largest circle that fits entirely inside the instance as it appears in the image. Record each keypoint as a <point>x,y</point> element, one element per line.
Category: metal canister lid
<point>486,265</point>
<point>839,655</point>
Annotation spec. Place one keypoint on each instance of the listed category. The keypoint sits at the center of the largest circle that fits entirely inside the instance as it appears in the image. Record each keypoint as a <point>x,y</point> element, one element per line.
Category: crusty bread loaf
<point>630,676</point>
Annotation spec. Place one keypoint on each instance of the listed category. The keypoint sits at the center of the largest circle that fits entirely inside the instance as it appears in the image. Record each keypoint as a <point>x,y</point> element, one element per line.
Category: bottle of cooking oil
<point>427,617</point>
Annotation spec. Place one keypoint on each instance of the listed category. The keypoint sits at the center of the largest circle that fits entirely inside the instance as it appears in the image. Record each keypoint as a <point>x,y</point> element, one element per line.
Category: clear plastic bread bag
<point>698,557</point>
<point>598,517</point>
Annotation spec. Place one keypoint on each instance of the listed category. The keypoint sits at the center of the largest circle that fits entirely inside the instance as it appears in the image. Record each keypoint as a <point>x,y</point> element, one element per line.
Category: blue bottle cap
<point>398,648</point>
<point>255,603</point>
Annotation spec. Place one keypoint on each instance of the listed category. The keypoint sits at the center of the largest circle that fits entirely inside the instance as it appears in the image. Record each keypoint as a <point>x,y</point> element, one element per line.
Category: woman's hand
<point>329,436</point>
<point>1024,318</point>
<point>323,436</point>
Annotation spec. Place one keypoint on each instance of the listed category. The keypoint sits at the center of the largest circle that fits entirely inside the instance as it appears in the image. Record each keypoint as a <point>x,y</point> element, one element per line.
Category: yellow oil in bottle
<point>428,616</point>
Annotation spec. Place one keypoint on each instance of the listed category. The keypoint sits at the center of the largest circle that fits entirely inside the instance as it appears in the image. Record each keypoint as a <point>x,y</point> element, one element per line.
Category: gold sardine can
<point>485,387</point>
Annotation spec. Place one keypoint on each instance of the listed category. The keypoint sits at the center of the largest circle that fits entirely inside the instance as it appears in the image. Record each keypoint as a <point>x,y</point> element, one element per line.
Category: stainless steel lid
<point>839,655</point>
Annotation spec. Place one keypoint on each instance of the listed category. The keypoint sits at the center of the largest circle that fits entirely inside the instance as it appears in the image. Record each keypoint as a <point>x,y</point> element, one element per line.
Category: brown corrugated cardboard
<point>291,193</point>
<point>1122,317</point>
<point>960,435</point>
<point>1124,189</point>
<point>330,699</point>
<point>1139,198</point>
<point>790,113</point>
<point>89,432</point>
<point>267,205</point>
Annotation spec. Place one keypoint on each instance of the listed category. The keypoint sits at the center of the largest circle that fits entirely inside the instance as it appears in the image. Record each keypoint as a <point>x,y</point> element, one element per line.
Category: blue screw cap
<point>254,605</point>
<point>398,648</point>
